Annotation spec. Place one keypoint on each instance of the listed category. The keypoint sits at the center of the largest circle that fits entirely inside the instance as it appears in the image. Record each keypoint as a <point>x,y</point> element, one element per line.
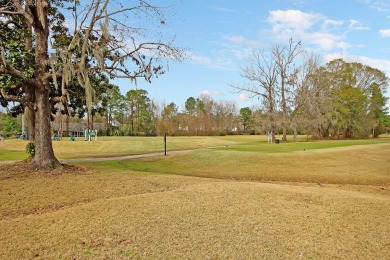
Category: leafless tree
<point>285,58</point>
<point>307,98</point>
<point>262,75</point>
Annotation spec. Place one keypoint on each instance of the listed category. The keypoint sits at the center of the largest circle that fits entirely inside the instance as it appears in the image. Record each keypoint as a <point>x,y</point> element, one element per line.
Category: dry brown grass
<point>92,215</point>
<point>111,212</point>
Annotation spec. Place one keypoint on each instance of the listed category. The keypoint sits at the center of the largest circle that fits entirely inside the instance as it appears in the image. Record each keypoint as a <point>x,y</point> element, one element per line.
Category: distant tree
<point>246,117</point>
<point>285,58</point>
<point>169,121</point>
<point>386,123</point>
<point>261,72</point>
<point>312,110</point>
<point>224,115</point>
<point>190,106</point>
<point>113,103</point>
<point>141,111</point>
<point>377,109</point>
<point>357,97</point>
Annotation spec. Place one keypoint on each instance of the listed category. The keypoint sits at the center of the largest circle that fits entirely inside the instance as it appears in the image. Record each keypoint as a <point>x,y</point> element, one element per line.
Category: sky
<point>220,36</point>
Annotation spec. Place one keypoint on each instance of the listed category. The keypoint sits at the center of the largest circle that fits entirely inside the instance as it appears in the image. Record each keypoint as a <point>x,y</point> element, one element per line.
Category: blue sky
<point>220,35</point>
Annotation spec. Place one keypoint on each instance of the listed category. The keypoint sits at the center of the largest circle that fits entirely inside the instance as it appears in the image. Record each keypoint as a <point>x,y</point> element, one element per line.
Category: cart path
<point>126,157</point>
<point>119,158</point>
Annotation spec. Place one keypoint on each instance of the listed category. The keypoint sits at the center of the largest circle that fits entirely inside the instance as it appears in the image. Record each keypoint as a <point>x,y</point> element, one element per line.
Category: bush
<point>30,149</point>
<point>10,126</point>
<point>102,132</point>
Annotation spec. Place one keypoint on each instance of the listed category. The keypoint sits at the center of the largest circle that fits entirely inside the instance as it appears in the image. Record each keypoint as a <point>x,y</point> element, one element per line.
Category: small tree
<point>10,126</point>
<point>246,117</point>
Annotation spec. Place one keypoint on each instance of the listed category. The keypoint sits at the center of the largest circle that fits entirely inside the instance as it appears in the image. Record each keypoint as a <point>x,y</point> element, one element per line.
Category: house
<point>75,129</point>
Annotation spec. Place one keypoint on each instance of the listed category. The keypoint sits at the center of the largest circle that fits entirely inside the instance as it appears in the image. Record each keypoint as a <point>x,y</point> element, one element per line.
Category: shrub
<point>30,149</point>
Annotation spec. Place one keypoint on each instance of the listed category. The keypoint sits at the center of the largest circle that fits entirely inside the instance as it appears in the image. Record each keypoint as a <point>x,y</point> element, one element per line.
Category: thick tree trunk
<point>44,154</point>
<point>30,117</point>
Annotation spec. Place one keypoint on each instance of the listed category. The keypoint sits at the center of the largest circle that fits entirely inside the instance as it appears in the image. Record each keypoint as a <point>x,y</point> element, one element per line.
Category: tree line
<point>297,94</point>
<point>135,114</point>
<point>47,68</point>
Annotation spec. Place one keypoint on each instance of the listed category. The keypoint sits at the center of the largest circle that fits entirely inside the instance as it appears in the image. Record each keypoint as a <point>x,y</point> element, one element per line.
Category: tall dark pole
<point>165,144</point>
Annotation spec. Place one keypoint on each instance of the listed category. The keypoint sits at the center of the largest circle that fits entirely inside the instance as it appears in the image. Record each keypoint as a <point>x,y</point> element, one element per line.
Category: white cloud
<point>313,29</point>
<point>243,97</point>
<point>291,20</point>
<point>211,93</point>
<point>356,25</point>
<point>379,5</point>
<point>334,23</point>
<point>199,59</point>
<point>327,41</point>
<point>385,33</point>
<point>236,39</point>
<point>216,61</point>
<point>223,9</point>
<point>334,56</point>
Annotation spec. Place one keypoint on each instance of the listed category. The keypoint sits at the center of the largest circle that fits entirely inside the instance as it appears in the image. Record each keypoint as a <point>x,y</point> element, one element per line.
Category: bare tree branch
<point>11,97</point>
<point>7,69</point>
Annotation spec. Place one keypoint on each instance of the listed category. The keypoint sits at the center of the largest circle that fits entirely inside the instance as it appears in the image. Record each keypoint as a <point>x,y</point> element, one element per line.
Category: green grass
<point>9,155</point>
<point>263,147</point>
<point>351,162</point>
<point>13,149</point>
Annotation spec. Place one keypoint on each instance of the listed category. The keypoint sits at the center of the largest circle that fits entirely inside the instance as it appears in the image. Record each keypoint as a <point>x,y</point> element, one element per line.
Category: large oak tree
<point>121,39</point>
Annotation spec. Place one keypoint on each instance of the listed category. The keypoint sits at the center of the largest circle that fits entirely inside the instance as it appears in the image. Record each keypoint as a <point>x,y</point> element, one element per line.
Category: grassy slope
<point>359,164</point>
<point>138,209</point>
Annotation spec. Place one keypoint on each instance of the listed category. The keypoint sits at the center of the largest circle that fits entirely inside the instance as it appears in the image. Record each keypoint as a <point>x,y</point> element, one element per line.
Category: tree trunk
<point>92,121</point>
<point>44,154</point>
<point>30,118</point>
<point>88,121</point>
<point>67,125</point>
<point>284,108</point>
<point>284,133</point>
<point>295,134</point>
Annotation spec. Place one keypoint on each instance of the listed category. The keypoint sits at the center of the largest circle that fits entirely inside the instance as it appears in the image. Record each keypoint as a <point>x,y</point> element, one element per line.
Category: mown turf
<point>329,203</point>
<point>286,147</point>
<point>124,215</point>
<point>362,164</point>
<point>10,155</point>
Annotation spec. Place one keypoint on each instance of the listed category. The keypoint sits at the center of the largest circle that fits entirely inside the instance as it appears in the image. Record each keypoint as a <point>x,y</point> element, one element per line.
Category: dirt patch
<point>27,167</point>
